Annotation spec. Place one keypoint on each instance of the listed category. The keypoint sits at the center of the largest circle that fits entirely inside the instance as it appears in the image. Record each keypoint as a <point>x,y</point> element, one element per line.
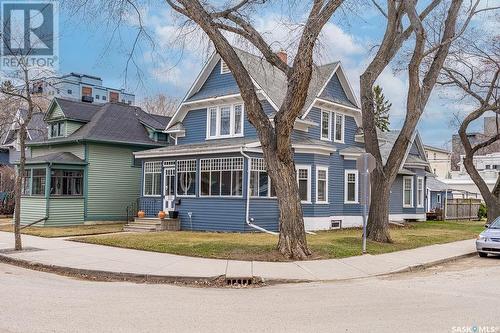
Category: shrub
<point>483,211</point>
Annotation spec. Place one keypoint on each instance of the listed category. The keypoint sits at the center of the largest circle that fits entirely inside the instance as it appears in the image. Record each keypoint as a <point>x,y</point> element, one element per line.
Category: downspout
<point>249,221</point>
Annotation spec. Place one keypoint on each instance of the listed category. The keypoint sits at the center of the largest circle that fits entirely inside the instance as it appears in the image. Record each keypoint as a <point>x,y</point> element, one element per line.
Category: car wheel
<point>482,254</point>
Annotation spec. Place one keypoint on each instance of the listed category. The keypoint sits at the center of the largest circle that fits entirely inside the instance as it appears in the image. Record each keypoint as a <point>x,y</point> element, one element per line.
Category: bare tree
<point>432,37</point>
<point>474,68</point>
<point>160,104</point>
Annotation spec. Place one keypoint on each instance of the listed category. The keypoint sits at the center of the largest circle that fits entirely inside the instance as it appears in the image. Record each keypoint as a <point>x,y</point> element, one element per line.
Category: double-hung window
<point>26,182</point>
<point>186,177</point>
<point>326,125</point>
<point>225,121</point>
<point>304,182</point>
<point>407,191</point>
<point>260,182</point>
<point>57,129</point>
<point>221,176</point>
<point>339,128</point>
<point>152,178</point>
<point>321,184</point>
<point>351,186</point>
<point>420,192</point>
<point>66,182</point>
<point>34,181</point>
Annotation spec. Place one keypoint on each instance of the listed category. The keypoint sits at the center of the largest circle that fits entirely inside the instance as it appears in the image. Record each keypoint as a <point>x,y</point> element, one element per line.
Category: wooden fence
<point>462,209</point>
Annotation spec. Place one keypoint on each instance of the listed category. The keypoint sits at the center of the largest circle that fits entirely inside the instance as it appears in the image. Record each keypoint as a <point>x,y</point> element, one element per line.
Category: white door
<point>168,187</point>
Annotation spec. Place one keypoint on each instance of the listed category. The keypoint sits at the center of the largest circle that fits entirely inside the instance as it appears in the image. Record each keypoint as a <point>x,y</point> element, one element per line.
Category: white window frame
<point>179,170</point>
<point>224,68</point>
<point>318,169</point>
<point>356,186</point>
<point>232,126</point>
<point>259,165</point>
<point>225,164</point>
<point>421,192</point>
<point>335,127</point>
<point>308,167</point>
<point>329,137</point>
<point>411,205</point>
<point>438,198</point>
<point>155,165</point>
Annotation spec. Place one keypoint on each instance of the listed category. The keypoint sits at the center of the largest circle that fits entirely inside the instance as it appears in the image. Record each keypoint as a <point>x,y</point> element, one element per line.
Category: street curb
<point>107,276</point>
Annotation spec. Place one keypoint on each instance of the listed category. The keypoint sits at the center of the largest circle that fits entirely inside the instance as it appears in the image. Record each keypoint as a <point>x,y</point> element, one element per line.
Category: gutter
<point>248,220</point>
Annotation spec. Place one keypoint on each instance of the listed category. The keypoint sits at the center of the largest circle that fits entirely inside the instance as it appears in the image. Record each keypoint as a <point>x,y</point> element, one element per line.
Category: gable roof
<point>273,83</point>
<point>36,128</point>
<point>74,110</point>
<point>110,122</point>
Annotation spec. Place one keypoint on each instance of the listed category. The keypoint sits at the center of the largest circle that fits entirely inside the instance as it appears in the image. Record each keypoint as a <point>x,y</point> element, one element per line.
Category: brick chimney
<point>283,56</point>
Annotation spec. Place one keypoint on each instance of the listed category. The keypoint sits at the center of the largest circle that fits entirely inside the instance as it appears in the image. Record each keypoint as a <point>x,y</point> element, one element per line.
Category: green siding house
<point>85,171</point>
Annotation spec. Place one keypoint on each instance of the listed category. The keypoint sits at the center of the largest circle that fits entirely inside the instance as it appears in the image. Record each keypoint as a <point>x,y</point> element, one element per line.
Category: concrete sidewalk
<point>60,254</point>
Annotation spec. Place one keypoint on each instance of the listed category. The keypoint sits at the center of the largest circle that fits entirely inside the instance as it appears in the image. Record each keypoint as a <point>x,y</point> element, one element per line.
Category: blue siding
<point>314,132</point>
<point>217,84</point>
<point>396,196</point>
<point>335,93</point>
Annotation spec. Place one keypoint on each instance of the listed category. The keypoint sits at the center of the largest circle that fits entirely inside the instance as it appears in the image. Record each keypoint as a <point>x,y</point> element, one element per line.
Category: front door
<point>168,187</point>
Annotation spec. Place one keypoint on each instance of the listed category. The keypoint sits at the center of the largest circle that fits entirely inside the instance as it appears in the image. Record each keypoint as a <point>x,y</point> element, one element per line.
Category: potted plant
<point>173,214</point>
<point>141,214</point>
<point>161,215</point>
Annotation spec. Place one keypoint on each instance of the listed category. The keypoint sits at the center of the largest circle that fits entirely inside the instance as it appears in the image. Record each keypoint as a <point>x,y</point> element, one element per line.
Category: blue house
<point>215,175</point>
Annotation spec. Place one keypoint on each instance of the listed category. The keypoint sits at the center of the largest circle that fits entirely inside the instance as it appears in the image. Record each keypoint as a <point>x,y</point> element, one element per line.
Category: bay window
<point>152,179</point>
<point>407,191</point>
<point>34,181</point>
<point>321,184</point>
<point>66,182</point>
<point>260,182</point>
<point>304,182</point>
<point>351,186</point>
<point>225,121</point>
<point>26,182</point>
<point>221,176</point>
<point>186,177</point>
<point>420,192</point>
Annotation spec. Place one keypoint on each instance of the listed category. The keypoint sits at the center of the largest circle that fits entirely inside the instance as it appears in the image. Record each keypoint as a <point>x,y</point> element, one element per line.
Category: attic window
<point>224,69</point>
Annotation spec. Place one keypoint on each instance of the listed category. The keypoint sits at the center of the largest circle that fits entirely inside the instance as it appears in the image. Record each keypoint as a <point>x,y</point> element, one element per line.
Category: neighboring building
<point>489,131</point>
<point>440,161</point>
<point>81,87</point>
<point>85,170</point>
<point>217,163</point>
<point>482,162</point>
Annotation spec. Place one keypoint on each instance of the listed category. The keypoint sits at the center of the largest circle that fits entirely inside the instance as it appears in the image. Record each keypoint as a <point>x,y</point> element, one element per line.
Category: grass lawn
<point>79,230</point>
<point>259,246</point>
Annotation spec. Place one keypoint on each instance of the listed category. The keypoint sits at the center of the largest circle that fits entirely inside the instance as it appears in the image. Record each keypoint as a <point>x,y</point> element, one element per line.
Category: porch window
<point>260,182</point>
<point>66,182</point>
<point>339,127</point>
<point>225,121</point>
<point>26,182</point>
<point>38,182</point>
<point>420,192</point>
<point>304,182</point>
<point>221,176</point>
<point>152,178</point>
<point>351,186</point>
<point>186,177</point>
<point>408,191</point>
<point>321,184</point>
<point>326,125</point>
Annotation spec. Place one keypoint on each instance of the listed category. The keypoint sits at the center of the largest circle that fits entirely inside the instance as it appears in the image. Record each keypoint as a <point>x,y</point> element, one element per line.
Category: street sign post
<point>366,164</point>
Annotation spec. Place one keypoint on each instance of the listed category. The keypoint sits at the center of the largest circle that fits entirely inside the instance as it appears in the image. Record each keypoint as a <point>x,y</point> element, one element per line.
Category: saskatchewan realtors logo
<point>29,33</point>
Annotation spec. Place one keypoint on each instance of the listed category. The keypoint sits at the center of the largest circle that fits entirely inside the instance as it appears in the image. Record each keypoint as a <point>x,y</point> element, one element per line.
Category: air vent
<point>224,69</point>
<point>336,224</point>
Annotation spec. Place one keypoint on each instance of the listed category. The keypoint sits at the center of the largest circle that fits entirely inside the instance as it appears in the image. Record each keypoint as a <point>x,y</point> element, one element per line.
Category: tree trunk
<point>378,217</point>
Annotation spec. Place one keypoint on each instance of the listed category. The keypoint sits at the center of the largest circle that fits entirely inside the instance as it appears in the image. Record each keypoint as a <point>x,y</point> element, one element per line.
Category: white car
<point>488,242</point>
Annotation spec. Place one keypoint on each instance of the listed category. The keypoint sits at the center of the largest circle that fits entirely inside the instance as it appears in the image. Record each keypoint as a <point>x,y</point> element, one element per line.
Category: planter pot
<point>161,215</point>
<point>141,214</point>
<point>173,214</point>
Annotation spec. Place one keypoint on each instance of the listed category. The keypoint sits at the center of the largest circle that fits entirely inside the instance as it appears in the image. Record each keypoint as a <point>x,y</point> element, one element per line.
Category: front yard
<point>79,230</point>
<point>258,246</point>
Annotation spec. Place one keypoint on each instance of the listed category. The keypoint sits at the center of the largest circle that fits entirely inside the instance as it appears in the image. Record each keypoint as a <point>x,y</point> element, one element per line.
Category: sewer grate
<point>241,281</point>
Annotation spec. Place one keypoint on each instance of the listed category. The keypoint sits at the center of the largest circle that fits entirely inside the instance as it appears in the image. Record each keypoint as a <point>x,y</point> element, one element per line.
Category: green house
<point>85,171</point>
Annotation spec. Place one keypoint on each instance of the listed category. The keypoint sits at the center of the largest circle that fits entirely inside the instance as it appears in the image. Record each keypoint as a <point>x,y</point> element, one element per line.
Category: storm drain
<point>239,281</point>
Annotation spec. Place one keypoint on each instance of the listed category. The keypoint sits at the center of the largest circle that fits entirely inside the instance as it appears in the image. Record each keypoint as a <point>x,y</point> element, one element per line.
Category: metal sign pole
<point>365,165</point>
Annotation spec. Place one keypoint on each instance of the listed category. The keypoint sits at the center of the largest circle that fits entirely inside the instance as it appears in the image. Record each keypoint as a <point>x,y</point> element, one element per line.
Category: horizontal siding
<point>113,183</point>
<point>76,149</point>
<point>65,211</point>
<point>72,127</point>
<point>56,113</point>
<point>334,91</point>
<point>33,209</point>
<point>217,84</point>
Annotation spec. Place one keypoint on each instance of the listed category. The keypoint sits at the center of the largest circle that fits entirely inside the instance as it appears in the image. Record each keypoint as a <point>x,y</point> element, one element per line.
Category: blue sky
<point>87,45</point>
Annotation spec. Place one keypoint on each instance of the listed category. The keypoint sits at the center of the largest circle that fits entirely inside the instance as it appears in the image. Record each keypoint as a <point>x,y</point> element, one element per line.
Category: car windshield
<point>495,224</point>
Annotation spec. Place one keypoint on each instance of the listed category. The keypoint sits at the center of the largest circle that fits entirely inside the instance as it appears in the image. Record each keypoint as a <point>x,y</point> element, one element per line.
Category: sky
<point>167,61</point>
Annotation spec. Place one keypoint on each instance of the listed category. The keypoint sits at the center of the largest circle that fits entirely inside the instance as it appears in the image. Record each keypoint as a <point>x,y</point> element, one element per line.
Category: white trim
<point>329,134</point>
<point>422,192</point>
<point>342,126</point>
<point>356,186</point>
<point>411,205</point>
<point>177,171</point>
<point>438,198</point>
<point>221,165</point>
<point>224,68</point>
<point>316,223</point>
<point>258,165</point>
<point>322,168</point>
<point>402,217</point>
<point>144,179</point>
<point>218,120</point>
<point>309,180</point>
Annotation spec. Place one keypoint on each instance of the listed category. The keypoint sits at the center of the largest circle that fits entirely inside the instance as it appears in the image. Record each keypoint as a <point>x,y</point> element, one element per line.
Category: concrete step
<point>147,220</point>
<point>139,228</point>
